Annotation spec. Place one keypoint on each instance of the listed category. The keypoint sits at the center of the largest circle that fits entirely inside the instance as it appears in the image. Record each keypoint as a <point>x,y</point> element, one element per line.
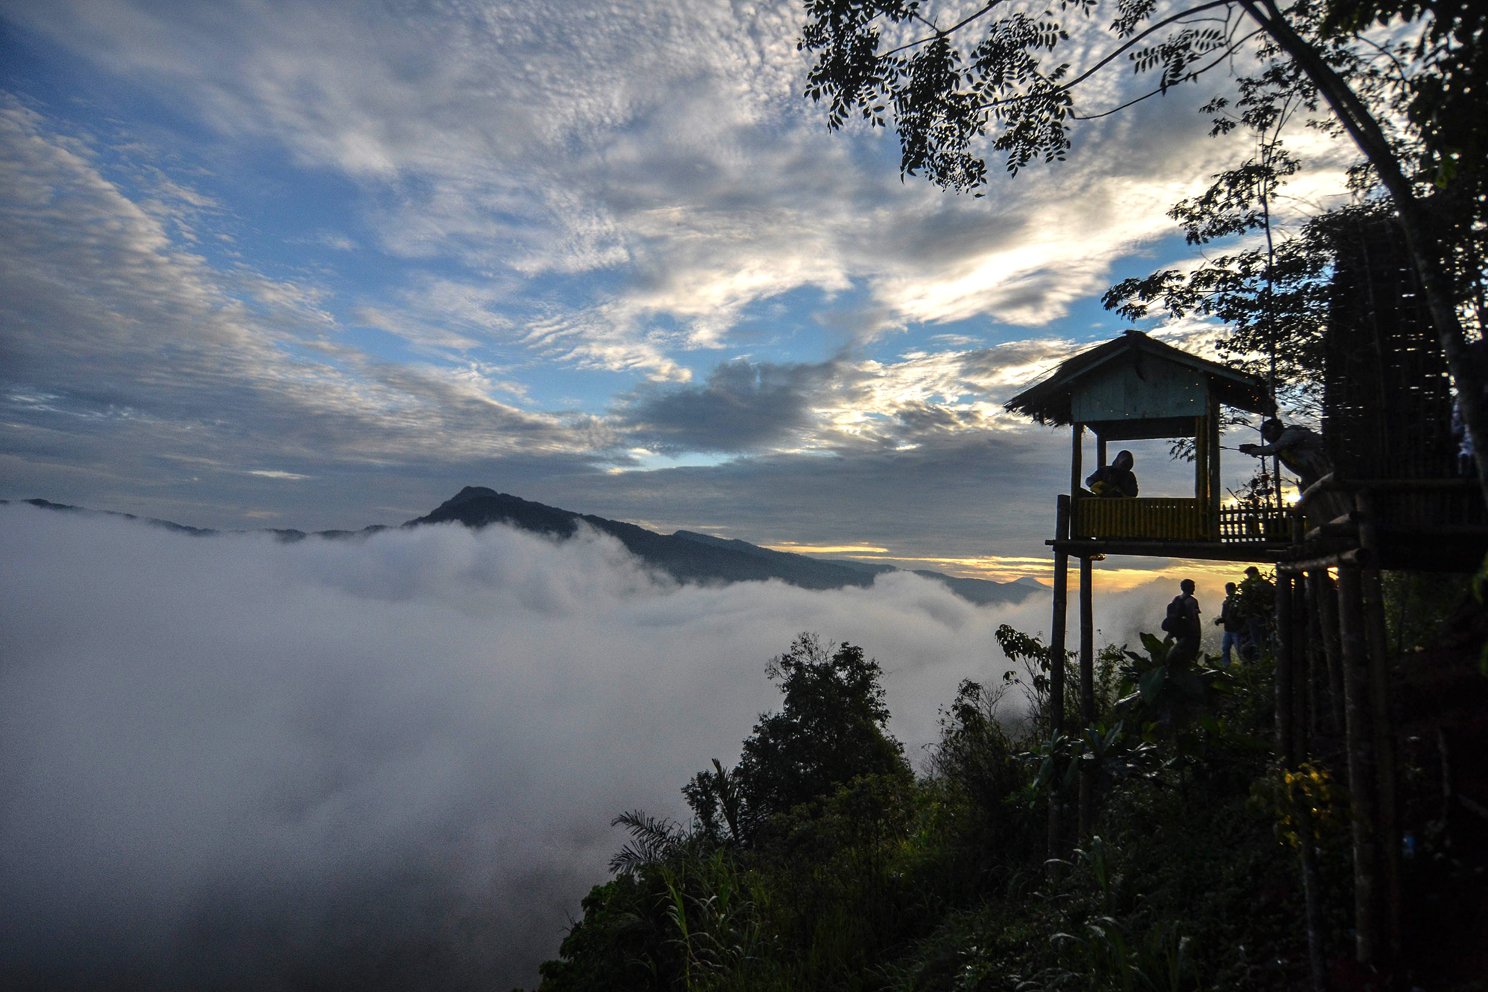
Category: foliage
<point>1412,99</point>
<point>830,729</point>
<point>878,880</point>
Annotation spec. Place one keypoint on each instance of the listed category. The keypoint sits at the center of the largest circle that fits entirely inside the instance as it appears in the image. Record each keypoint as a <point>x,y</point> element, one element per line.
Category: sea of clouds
<point>383,762</point>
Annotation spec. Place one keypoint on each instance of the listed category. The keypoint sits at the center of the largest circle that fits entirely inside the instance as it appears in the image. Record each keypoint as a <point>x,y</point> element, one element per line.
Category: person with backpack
<point>1182,623</point>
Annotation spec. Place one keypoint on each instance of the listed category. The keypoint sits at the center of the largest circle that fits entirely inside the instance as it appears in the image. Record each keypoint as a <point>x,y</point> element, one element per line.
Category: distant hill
<point>687,556</point>
<point>692,557</point>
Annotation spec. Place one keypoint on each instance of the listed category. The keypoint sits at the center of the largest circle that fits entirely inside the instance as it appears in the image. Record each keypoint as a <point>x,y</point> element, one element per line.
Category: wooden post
<point>1214,483</point>
<point>1387,812</point>
<point>1286,649</point>
<point>1100,450</point>
<point>1056,670</point>
<point>1201,458</point>
<point>1387,815</point>
<point>1087,692</point>
<point>1302,654</point>
<point>1361,777</point>
<point>1325,605</point>
<point>1077,440</point>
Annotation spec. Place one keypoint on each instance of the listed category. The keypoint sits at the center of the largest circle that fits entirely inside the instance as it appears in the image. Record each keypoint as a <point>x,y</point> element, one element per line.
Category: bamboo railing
<point>1174,519</point>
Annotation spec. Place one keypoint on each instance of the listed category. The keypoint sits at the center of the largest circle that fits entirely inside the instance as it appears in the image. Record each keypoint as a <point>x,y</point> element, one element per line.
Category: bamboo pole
<point>1325,607</point>
<point>1286,649</point>
<point>1384,741</point>
<point>1361,778</point>
<point>1302,656</point>
<point>1056,671</point>
<point>1087,692</point>
<point>1077,433</point>
<point>1212,514</point>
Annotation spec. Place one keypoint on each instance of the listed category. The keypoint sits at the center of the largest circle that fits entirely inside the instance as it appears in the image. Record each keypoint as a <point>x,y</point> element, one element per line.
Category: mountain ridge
<point>690,556</point>
<point>687,556</point>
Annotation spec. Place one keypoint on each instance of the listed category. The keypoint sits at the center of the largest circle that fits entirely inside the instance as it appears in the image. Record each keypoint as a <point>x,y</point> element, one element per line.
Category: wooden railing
<point>1174,519</point>
<point>1143,518</point>
<point>1246,525</point>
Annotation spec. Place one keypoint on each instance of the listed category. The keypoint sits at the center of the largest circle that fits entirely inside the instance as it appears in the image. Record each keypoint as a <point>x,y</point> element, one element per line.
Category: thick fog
<point>231,762</point>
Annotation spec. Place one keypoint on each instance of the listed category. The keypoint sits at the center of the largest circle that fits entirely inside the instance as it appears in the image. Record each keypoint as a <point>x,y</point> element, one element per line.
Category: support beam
<point>1324,599</point>
<point>1077,439</point>
<point>1215,495</point>
<point>1087,693</point>
<point>1286,653</point>
<point>1056,673</point>
<point>1387,817</point>
<point>1361,773</point>
<point>1201,460</point>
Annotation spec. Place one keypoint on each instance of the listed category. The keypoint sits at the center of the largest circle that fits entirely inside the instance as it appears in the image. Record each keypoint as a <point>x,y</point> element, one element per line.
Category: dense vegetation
<point>822,862</point>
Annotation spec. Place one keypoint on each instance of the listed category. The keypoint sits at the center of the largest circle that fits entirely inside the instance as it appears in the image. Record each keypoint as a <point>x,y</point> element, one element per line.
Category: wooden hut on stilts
<point>1401,502</point>
<point>1133,388</point>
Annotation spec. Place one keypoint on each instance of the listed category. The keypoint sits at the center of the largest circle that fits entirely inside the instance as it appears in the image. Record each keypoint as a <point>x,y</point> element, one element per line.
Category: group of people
<point>1245,616</point>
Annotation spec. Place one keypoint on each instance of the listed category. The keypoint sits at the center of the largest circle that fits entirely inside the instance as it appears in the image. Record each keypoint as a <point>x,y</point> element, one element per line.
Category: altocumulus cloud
<point>383,763</point>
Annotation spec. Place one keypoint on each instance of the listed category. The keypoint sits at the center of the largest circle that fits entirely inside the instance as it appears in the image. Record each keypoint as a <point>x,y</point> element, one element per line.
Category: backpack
<point>1176,622</point>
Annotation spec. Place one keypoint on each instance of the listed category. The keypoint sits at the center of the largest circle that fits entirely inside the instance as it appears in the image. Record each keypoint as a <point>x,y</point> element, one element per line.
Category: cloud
<point>742,406</point>
<point>670,149</point>
<point>380,763</point>
<point>126,337</point>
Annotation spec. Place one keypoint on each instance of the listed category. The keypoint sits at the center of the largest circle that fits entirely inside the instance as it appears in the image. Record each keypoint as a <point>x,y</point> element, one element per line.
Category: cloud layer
<point>380,763</point>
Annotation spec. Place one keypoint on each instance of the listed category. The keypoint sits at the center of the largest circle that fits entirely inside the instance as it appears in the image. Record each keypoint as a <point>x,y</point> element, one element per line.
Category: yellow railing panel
<point>1143,518</point>
<point>1174,519</point>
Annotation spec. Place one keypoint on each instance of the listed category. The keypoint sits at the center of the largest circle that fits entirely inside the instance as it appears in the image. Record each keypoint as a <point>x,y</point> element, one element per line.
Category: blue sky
<point>321,264</point>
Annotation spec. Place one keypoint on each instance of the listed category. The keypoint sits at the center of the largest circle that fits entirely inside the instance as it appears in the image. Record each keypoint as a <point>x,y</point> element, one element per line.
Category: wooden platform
<point>1251,551</point>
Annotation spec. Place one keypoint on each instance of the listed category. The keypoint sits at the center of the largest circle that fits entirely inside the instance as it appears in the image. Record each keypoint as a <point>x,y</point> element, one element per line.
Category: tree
<point>1415,110</point>
<point>830,730</point>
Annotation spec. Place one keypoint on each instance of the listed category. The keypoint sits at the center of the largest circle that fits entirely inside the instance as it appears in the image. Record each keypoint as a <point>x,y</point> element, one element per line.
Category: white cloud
<point>229,759</point>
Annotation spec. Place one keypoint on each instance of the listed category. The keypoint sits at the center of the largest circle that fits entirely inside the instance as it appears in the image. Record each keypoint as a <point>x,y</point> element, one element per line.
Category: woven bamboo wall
<point>1387,406</point>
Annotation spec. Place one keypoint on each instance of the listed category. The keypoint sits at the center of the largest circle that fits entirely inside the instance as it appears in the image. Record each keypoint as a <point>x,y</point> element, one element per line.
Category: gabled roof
<point>1048,401</point>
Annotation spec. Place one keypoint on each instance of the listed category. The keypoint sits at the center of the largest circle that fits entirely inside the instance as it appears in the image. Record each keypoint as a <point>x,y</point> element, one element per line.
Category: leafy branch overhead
<point>1405,81</point>
<point>1008,84</point>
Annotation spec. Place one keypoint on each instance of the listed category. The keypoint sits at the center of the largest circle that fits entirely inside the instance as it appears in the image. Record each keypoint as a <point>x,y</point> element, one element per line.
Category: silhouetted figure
<point>1300,449</point>
<point>1182,622</point>
<point>1256,607</point>
<point>1115,479</point>
<point>1234,626</point>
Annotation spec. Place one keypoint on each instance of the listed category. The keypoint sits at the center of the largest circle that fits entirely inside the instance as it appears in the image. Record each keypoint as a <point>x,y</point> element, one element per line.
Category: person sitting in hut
<point>1115,479</point>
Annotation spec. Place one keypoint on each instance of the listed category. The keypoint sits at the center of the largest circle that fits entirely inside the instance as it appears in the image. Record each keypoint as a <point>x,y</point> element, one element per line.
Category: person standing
<point>1183,623</point>
<point>1257,606</point>
<point>1234,626</point>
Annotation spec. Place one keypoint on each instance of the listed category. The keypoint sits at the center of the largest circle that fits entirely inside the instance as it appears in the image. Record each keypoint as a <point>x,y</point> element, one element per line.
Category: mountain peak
<point>688,556</point>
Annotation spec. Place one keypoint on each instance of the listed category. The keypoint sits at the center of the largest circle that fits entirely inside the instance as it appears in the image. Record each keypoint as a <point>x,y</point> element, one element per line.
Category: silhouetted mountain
<point>691,557</point>
<point>687,556</point>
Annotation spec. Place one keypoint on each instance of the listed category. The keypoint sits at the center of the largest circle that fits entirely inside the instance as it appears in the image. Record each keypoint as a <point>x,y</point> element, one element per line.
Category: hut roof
<point>1048,401</point>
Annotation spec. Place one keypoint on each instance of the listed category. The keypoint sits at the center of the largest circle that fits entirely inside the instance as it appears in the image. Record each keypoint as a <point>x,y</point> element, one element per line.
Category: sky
<point>320,265</point>
<point>237,763</point>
